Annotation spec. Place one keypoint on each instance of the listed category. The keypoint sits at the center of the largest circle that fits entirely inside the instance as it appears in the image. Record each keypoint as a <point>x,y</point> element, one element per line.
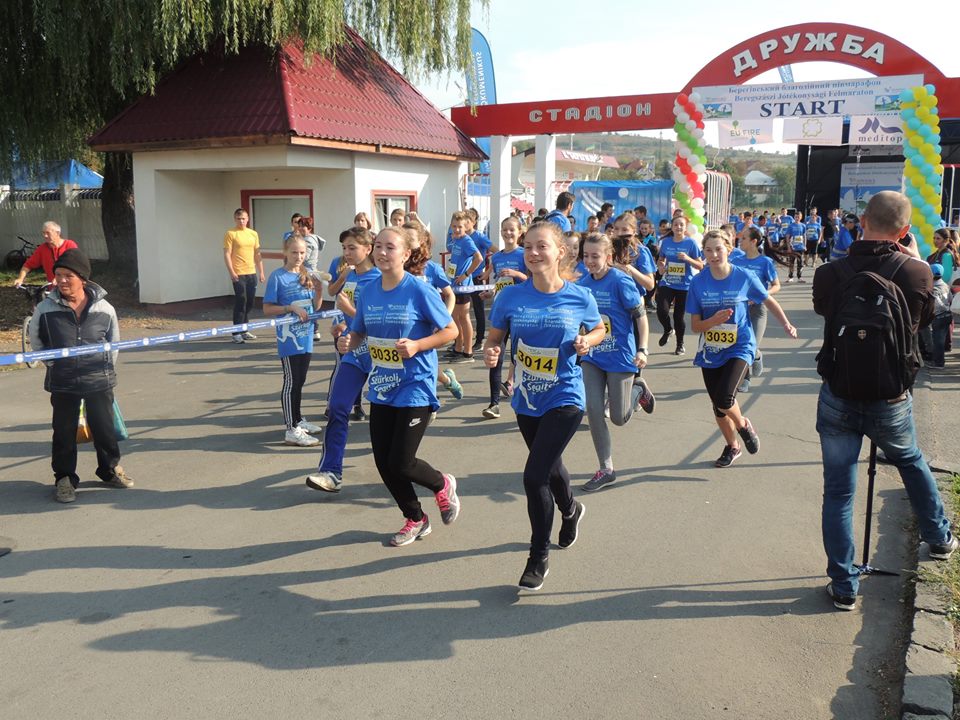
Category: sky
<point>563,49</point>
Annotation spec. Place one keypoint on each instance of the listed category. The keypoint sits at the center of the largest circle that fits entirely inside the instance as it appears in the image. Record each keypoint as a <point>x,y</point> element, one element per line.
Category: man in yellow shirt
<point>241,255</point>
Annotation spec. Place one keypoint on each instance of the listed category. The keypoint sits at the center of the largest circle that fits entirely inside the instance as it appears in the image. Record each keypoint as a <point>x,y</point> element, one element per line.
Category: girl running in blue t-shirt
<point>545,317</point>
<point>290,290</point>
<point>717,301</point>
<point>763,267</point>
<point>679,257</point>
<point>609,371</point>
<point>403,321</point>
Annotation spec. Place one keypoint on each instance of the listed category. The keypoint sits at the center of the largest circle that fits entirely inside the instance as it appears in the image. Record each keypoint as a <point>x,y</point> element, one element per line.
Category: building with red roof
<point>276,134</point>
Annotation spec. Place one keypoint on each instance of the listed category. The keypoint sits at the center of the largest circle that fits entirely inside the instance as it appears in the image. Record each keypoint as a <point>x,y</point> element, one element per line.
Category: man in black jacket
<point>75,314</point>
<point>842,423</point>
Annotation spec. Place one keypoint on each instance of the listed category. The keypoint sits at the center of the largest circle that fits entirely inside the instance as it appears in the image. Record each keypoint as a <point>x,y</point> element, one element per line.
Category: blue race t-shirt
<point>354,287</point>
<point>334,266</point>
<point>678,273</point>
<point>734,338</point>
<point>841,244</point>
<point>580,270</point>
<point>483,244</point>
<point>284,288</point>
<point>796,232</point>
<point>542,329</point>
<point>761,266</point>
<point>616,295</point>
<point>736,254</point>
<point>460,252</point>
<point>433,275</point>
<point>411,310</point>
<point>644,262</point>
<point>501,261</point>
<point>558,218</point>
<point>812,230</point>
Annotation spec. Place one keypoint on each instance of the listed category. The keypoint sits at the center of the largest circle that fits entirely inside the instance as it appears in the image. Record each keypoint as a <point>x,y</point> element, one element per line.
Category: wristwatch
<point>643,350</point>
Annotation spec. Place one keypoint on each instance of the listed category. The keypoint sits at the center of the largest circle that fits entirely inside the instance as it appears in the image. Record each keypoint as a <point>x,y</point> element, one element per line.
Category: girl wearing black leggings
<point>545,317</point>
<point>403,321</point>
<point>679,257</point>
<point>718,301</point>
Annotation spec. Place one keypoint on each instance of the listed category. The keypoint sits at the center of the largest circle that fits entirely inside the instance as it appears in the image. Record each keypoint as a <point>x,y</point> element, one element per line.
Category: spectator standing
<point>47,254</point>
<point>241,255</point>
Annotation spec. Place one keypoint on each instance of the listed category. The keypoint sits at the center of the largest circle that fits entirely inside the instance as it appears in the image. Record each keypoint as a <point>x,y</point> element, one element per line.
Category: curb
<point>929,664</point>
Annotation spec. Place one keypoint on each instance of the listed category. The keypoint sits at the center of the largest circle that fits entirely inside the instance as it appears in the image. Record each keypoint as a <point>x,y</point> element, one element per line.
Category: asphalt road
<point>220,586</point>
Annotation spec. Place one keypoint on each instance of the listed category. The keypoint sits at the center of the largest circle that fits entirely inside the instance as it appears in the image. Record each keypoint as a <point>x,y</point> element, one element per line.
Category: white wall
<point>185,203</point>
<point>78,218</point>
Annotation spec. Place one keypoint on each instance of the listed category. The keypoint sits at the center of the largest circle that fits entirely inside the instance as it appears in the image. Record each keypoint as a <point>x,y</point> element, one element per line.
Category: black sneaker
<point>681,350</point>
<point>842,602</point>
<point>478,345</point>
<point>666,336</point>
<point>749,436</point>
<point>642,396</point>
<point>727,457</point>
<point>534,574</point>
<point>358,413</point>
<point>945,550</point>
<point>570,526</point>
<point>461,358</point>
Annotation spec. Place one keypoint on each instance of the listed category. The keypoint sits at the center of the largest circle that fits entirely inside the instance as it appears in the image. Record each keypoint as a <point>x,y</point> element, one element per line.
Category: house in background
<point>760,185</point>
<point>276,135</point>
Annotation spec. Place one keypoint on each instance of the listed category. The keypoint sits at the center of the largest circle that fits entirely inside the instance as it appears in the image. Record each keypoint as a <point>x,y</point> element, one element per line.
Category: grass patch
<point>947,574</point>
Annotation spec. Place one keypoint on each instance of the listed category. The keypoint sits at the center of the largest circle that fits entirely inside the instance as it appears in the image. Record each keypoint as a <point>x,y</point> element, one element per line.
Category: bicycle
<point>36,294</point>
<point>15,259</point>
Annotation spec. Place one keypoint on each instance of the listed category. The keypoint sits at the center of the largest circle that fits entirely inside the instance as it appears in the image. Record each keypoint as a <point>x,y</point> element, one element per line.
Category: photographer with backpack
<point>873,303</point>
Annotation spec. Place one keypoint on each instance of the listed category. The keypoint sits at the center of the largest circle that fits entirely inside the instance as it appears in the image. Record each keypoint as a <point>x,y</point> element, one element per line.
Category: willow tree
<point>68,66</point>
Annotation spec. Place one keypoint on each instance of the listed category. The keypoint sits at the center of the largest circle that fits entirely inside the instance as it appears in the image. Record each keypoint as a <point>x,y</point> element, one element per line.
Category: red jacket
<point>45,256</point>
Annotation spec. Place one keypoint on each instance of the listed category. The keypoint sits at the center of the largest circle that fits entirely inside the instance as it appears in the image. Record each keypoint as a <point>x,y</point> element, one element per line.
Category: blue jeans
<point>842,425</point>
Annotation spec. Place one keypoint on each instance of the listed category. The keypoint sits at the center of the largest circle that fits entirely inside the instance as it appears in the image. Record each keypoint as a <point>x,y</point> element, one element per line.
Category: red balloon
<point>692,178</point>
<point>696,187</point>
<point>683,99</point>
<point>700,124</point>
<point>683,165</point>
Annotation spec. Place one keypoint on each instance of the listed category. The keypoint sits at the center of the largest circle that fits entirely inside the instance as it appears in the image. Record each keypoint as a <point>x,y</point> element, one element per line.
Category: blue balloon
<point>908,113</point>
<point>914,123</point>
<point>931,89</point>
<point>935,110</point>
<point>906,95</point>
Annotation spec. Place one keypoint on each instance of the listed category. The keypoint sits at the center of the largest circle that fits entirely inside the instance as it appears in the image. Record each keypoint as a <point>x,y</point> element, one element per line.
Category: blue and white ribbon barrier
<point>139,344</point>
<point>466,289</point>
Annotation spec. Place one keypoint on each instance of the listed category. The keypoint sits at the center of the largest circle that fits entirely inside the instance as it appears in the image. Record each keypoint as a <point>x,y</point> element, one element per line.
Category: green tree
<point>71,65</point>
<point>786,178</point>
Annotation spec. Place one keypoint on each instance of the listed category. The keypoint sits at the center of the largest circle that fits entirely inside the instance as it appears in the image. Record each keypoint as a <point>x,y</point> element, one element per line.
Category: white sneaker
<point>790,280</point>
<point>325,480</point>
<point>238,339</point>
<point>309,427</point>
<point>249,336</point>
<point>297,436</point>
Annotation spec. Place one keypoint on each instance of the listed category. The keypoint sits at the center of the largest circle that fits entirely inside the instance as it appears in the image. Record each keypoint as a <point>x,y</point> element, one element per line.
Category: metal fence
<point>23,212</point>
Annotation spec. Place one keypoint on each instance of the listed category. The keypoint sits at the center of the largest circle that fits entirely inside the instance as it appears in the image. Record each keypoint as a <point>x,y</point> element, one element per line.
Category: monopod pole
<point>866,568</point>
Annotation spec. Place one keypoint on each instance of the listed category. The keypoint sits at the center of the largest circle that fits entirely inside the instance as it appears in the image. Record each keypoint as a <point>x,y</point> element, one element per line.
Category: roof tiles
<point>257,95</point>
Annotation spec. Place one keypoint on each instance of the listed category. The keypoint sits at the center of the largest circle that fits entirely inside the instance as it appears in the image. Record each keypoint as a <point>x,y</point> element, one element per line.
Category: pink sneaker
<point>411,531</point>
<point>447,500</point>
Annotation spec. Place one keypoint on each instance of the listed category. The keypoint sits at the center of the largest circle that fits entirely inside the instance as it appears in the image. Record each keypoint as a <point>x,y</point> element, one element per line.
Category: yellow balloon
<point>923,112</point>
<point>919,92</point>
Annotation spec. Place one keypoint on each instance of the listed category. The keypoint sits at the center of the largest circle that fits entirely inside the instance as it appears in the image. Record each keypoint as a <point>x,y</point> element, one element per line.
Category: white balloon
<point>695,98</point>
<point>697,203</point>
<point>691,125</point>
<point>682,116</point>
<point>683,151</point>
<point>701,177</point>
<point>699,169</point>
<point>698,132</point>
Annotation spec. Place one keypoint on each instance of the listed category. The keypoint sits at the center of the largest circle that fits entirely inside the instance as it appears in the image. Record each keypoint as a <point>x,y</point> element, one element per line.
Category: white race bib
<point>502,283</point>
<point>538,362</point>
<point>451,270</point>
<point>676,270</point>
<point>350,290</point>
<point>384,353</point>
<point>720,337</point>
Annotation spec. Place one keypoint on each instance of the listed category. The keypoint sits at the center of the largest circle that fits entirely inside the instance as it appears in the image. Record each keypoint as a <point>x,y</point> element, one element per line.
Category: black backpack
<point>869,350</point>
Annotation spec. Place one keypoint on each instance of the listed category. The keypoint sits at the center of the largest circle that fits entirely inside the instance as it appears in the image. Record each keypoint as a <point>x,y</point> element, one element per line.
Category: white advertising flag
<point>813,131</point>
<point>735,133</point>
<point>879,129</point>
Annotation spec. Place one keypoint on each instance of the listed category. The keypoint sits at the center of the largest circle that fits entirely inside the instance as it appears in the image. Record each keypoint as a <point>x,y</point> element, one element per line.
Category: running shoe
<point>358,413</point>
<point>433,416</point>
<point>570,526</point>
<point>450,353</point>
<point>756,370</point>
<point>249,336</point>
<point>943,551</point>
<point>534,574</point>
<point>600,478</point>
<point>455,388</point>
<point>238,339</point>
<point>298,436</point>
<point>749,436</point>
<point>681,350</point>
<point>461,358</point>
<point>727,457</point>
<point>842,602</point>
<point>666,336</point>
<point>447,500</point>
<point>478,345</point>
<point>308,427</point>
<point>411,530</point>
<point>643,398</point>
<point>790,279</point>
<point>64,491</point>
<point>744,385</point>
<point>119,479</point>
<point>492,412</point>
<point>325,480</point>
<point>506,388</point>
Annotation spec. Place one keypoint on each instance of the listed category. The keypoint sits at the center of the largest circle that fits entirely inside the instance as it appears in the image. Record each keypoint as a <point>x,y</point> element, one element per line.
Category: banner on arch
<point>813,131</point>
<point>878,129</point>
<point>737,133</point>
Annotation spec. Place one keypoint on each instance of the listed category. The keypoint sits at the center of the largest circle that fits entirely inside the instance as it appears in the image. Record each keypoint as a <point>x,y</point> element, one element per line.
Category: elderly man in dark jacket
<point>75,313</point>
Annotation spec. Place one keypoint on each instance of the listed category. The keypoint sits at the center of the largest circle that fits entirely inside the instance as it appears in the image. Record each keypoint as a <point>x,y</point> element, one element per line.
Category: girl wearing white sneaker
<point>402,320</point>
<point>290,291</point>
